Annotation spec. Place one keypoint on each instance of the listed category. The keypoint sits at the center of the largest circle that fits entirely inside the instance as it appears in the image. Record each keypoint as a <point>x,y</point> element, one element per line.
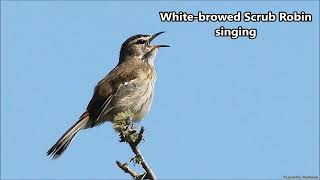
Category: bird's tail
<point>61,145</point>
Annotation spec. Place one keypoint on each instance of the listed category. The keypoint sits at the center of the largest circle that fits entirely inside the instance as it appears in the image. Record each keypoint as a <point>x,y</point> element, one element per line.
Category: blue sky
<point>223,108</point>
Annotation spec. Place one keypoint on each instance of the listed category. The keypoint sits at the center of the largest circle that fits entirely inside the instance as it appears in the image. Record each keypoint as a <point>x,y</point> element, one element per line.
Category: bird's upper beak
<point>154,36</point>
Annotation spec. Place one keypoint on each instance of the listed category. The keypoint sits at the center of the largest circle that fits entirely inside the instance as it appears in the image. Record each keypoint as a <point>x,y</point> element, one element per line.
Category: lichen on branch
<point>123,124</point>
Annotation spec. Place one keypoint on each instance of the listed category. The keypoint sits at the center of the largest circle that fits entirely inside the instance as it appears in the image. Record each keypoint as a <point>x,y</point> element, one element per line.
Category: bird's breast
<point>137,94</point>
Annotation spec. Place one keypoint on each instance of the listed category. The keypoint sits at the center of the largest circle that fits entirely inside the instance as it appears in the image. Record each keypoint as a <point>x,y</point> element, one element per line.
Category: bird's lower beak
<point>154,36</point>
<point>162,46</point>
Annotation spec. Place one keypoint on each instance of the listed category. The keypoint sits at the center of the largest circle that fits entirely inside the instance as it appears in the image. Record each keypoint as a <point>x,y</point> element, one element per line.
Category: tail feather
<point>61,145</point>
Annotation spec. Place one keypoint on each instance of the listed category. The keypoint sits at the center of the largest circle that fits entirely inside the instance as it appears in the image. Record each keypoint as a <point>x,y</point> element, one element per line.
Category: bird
<point>128,86</point>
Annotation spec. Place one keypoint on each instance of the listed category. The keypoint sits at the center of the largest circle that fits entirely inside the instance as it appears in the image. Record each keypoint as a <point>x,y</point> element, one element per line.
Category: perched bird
<point>129,86</point>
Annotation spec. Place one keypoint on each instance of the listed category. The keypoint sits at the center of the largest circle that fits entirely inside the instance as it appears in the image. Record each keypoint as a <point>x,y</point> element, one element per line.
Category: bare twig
<point>122,124</point>
<point>137,152</point>
<point>125,167</point>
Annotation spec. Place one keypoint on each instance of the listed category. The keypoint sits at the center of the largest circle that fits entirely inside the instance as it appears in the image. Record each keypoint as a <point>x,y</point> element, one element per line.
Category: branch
<point>122,123</point>
<point>137,152</point>
<point>125,167</point>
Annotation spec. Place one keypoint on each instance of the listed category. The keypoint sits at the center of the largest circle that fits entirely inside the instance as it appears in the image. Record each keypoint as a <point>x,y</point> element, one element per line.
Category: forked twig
<point>129,134</point>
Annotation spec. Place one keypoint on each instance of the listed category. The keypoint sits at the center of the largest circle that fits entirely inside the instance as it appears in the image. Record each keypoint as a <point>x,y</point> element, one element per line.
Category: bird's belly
<point>142,108</point>
<point>136,98</point>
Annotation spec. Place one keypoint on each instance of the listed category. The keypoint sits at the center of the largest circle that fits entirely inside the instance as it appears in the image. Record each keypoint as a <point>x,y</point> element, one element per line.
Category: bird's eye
<point>140,41</point>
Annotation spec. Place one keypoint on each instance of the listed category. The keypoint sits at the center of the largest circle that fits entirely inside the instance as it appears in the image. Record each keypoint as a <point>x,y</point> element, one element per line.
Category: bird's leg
<point>132,125</point>
<point>131,128</point>
<point>128,120</point>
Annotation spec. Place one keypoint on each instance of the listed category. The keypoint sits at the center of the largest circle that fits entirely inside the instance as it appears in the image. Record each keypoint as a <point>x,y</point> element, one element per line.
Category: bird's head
<point>138,47</point>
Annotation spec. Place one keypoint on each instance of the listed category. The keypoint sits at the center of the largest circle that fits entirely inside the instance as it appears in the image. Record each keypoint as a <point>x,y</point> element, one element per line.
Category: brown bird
<point>129,86</point>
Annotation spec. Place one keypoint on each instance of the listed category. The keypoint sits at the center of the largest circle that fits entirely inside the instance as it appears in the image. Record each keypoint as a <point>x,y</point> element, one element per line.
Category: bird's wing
<point>106,89</point>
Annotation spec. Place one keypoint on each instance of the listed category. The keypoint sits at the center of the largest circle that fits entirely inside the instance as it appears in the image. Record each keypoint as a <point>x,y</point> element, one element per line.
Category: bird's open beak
<point>154,36</point>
